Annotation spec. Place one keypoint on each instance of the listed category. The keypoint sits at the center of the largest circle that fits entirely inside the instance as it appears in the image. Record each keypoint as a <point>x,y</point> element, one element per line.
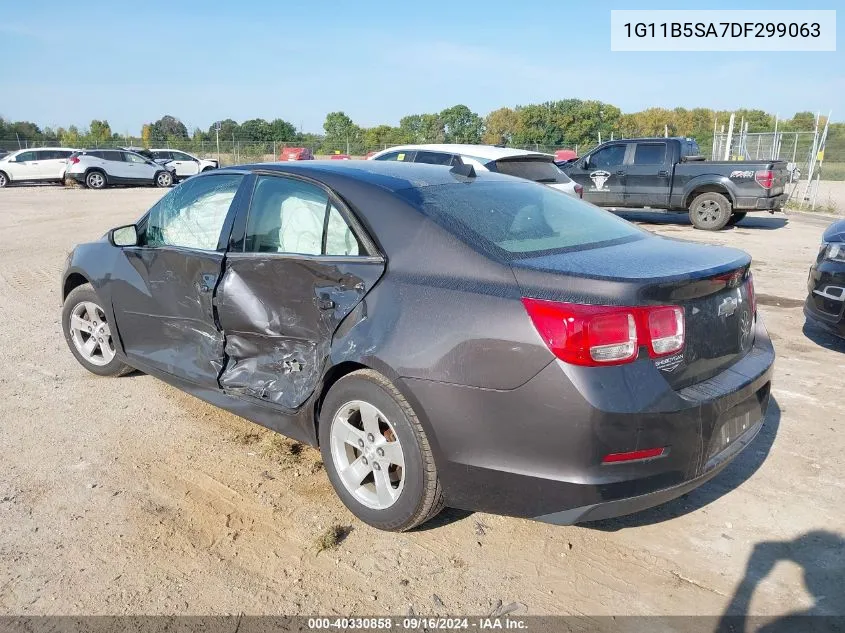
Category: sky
<point>132,62</point>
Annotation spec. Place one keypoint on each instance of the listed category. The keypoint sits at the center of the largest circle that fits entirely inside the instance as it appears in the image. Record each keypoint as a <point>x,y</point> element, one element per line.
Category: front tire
<point>710,211</point>
<point>95,180</point>
<point>376,453</point>
<point>88,333</point>
<point>736,217</point>
<point>4,180</point>
<point>163,179</point>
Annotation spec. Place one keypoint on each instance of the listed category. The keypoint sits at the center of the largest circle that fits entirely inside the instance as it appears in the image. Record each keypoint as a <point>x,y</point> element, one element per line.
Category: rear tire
<point>4,180</point>
<point>88,334</point>
<point>710,211</point>
<point>95,180</point>
<point>367,429</point>
<point>736,217</point>
<point>207,169</point>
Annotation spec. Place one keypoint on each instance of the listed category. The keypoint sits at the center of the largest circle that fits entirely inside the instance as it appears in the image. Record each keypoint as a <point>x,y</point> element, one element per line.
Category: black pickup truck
<point>668,173</point>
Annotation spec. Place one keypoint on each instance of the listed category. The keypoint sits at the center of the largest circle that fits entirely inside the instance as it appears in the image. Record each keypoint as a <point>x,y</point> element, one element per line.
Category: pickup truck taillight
<point>765,178</point>
<point>579,190</point>
<point>595,335</point>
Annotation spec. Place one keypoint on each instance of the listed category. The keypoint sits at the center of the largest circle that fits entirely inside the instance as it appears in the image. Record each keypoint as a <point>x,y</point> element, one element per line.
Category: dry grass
<point>333,536</point>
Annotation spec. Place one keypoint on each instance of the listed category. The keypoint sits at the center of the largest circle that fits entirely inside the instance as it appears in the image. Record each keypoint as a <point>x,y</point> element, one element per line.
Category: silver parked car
<point>98,168</point>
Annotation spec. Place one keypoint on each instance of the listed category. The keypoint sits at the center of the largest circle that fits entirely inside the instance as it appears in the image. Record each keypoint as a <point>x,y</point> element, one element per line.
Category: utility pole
<point>730,137</point>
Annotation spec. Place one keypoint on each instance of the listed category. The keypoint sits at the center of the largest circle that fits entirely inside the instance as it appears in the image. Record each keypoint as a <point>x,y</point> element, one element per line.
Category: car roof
<point>38,149</point>
<point>489,152</point>
<point>389,175</point>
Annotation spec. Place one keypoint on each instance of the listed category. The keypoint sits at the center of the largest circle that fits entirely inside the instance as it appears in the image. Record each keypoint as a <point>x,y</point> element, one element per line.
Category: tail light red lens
<point>765,178</point>
<point>594,335</point>
<point>73,160</point>
<point>752,298</point>
<point>579,190</point>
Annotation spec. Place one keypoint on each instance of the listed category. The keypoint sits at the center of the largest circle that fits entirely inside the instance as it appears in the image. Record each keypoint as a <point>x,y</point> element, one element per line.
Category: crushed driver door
<point>296,273</point>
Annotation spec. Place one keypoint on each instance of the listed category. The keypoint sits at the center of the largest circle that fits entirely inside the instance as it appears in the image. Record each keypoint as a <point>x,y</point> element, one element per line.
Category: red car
<point>296,153</point>
<point>565,155</point>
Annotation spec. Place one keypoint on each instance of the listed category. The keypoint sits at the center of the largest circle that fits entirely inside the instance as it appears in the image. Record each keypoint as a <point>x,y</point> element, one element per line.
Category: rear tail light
<point>579,190</point>
<point>73,160</point>
<point>594,335</point>
<point>752,298</point>
<point>765,178</point>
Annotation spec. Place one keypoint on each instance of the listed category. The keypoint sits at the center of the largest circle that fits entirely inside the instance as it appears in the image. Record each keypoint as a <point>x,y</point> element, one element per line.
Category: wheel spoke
<point>369,417</point>
<point>89,346</point>
<point>348,434</point>
<point>393,453</point>
<point>354,474</point>
<point>91,309</point>
<point>106,330</point>
<point>384,490</point>
<point>106,350</point>
<point>78,323</point>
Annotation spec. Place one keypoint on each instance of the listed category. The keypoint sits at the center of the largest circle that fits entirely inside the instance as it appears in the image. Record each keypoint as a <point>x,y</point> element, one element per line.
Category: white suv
<point>98,168</point>
<point>186,165</point>
<point>513,162</point>
<point>44,164</point>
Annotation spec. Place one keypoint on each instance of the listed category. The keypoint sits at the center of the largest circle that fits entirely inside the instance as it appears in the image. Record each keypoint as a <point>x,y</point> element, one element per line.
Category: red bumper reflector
<point>634,456</point>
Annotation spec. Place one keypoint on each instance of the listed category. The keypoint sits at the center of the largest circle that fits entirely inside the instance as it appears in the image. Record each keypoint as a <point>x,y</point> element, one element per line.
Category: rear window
<point>519,219</point>
<point>650,154</point>
<point>538,170</point>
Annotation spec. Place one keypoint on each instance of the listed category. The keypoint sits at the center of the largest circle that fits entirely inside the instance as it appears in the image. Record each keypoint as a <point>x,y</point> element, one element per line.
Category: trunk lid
<point>709,282</point>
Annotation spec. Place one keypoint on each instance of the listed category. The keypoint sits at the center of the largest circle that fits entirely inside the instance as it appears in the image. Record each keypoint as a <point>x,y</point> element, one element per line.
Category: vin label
<point>723,30</point>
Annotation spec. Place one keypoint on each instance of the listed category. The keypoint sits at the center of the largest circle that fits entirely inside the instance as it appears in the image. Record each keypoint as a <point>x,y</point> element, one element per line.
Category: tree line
<point>567,123</point>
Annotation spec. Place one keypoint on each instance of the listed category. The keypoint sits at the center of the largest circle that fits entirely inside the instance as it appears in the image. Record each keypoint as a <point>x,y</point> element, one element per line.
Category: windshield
<point>536,169</point>
<point>517,219</point>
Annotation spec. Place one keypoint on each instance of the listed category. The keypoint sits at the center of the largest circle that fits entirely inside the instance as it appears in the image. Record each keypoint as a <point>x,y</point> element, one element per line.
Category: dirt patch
<point>778,302</point>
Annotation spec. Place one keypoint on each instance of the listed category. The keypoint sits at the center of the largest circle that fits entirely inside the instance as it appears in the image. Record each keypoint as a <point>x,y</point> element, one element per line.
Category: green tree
<point>257,130</point>
<point>500,126</point>
<point>341,132</point>
<point>228,127</point>
<point>461,125</point>
<point>71,137</point>
<point>282,130</point>
<point>168,128</point>
<point>99,133</point>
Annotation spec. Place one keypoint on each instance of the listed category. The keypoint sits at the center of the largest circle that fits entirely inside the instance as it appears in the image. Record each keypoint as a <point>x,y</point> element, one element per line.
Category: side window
<point>192,214</point>
<point>45,154</point>
<point>161,154</point>
<point>63,153</point>
<point>434,158</point>
<point>286,216</point>
<point>134,158</point>
<point>112,155</point>
<point>405,157</point>
<point>611,156</point>
<point>650,154</point>
<point>340,240</point>
<point>180,156</point>
<point>25,157</point>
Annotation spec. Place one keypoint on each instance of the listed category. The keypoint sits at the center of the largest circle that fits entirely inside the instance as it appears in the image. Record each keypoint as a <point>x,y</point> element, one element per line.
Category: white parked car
<point>534,166</point>
<point>186,164</point>
<point>98,168</point>
<point>38,164</point>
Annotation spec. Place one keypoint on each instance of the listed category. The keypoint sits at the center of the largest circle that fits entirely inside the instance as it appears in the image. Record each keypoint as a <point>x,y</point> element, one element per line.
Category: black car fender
<point>708,183</point>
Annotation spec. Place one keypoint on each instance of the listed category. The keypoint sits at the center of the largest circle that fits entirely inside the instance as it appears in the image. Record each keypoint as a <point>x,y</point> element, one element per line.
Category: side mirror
<point>585,164</point>
<point>124,236</point>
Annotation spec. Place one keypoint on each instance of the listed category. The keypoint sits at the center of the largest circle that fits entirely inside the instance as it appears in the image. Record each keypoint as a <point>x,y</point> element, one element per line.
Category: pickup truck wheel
<point>710,211</point>
<point>736,217</point>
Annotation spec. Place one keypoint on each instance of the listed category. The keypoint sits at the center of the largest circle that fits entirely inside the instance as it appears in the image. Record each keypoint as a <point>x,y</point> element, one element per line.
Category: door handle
<point>620,172</point>
<point>663,172</point>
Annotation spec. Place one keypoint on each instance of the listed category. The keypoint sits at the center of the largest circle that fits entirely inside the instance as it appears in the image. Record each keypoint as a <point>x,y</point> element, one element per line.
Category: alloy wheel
<point>164,180</point>
<point>96,180</point>
<point>367,454</point>
<point>3,180</point>
<point>91,334</point>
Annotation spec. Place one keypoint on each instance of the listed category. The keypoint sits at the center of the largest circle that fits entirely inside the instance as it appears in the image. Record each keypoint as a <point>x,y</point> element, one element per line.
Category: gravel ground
<point>125,495</point>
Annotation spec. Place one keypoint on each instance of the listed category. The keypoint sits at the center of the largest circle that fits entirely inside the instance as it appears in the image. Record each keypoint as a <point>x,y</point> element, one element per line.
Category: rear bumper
<point>825,304</point>
<point>80,178</point>
<point>761,204</point>
<point>536,451</point>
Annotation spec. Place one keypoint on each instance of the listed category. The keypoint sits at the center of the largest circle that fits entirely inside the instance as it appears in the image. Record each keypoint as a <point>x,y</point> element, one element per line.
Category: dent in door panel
<point>278,315</point>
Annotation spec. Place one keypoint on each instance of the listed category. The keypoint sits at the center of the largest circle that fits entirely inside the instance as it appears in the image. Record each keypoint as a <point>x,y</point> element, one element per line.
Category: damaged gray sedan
<point>477,341</point>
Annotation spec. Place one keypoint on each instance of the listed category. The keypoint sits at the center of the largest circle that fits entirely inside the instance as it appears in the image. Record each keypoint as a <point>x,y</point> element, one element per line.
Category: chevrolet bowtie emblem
<point>728,307</point>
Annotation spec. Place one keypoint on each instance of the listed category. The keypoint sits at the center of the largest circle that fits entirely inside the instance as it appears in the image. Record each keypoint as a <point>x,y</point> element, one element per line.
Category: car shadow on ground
<point>821,556</point>
<point>762,221</point>
<point>733,476</point>
<point>823,338</point>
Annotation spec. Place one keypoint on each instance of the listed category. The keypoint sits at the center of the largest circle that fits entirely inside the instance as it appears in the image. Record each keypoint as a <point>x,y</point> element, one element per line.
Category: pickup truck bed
<point>666,173</point>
